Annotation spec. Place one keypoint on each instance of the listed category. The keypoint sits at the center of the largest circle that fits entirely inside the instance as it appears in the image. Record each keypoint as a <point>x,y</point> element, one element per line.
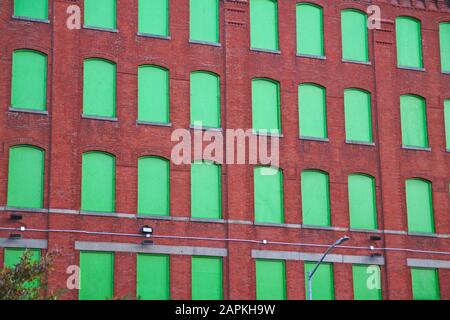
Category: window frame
<point>411,219</point>
<point>325,137</point>
<point>218,106</point>
<point>28,18</point>
<point>366,60</point>
<point>99,28</point>
<point>258,131</point>
<point>421,67</point>
<point>405,125</point>
<point>269,218</point>
<point>155,35</point>
<point>217,20</point>
<point>328,217</point>
<point>277,31</point>
<point>374,214</point>
<point>322,31</point>
<point>369,111</point>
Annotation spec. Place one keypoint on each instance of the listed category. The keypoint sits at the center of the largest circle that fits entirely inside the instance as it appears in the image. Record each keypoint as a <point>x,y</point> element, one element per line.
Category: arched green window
<point>153,94</point>
<point>99,89</point>
<point>205,99</point>
<point>96,275</point>
<point>207,279</point>
<point>100,14</point>
<point>270,280</point>
<point>444,35</point>
<point>26,177</point>
<point>414,121</point>
<point>312,111</point>
<point>13,256</point>
<point>322,282</point>
<point>310,29</point>
<point>268,195</point>
<point>363,275</point>
<point>153,277</point>
<point>315,198</point>
<point>266,106</point>
<point>36,9</point>
<point>98,182</point>
<point>362,202</point>
<point>409,42</point>
<point>204,20</point>
<point>29,80</point>
<point>153,186</point>
<point>447,122</point>
<point>206,190</point>
<point>419,205</point>
<point>264,24</point>
<point>153,17</point>
<point>425,284</point>
<point>355,39</point>
<point>358,116</point>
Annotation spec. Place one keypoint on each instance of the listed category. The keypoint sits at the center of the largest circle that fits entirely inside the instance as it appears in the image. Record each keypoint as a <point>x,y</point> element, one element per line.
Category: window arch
<point>414,121</point>
<point>409,42</point>
<point>153,94</point>
<point>205,99</point>
<point>310,29</point>
<point>29,80</point>
<point>153,17</point>
<point>444,35</point>
<point>362,202</point>
<point>419,205</point>
<point>268,194</point>
<point>204,20</point>
<point>264,24</point>
<point>26,177</point>
<point>312,111</point>
<point>100,14</point>
<point>99,89</point>
<point>206,190</point>
<point>36,10</point>
<point>153,186</point>
<point>98,182</point>
<point>266,105</point>
<point>355,39</point>
<point>315,198</point>
<point>358,115</point>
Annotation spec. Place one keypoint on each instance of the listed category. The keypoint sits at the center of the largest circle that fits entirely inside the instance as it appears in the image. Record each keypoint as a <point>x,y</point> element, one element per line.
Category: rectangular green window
<point>264,24</point>
<point>207,278</point>
<point>309,30</point>
<point>322,281</point>
<point>204,20</point>
<point>444,34</point>
<point>270,280</point>
<point>447,122</point>
<point>26,177</point>
<point>12,257</point>
<point>153,94</point>
<point>419,205</point>
<point>153,186</point>
<point>425,284</point>
<point>358,116</point>
<point>366,282</point>
<point>312,111</point>
<point>98,182</point>
<point>96,276</point>
<point>409,42</point>
<point>29,80</point>
<point>414,121</point>
<point>153,277</point>
<point>268,195</point>
<point>266,106</point>
<point>100,14</point>
<point>153,17</point>
<point>35,9</point>
<point>206,190</point>
<point>355,41</point>
<point>205,99</point>
<point>362,202</point>
<point>315,198</point>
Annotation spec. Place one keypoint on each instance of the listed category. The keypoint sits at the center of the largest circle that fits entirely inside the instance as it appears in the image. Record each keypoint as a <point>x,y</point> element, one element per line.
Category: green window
<point>26,177</point>
<point>266,106</point>
<point>206,190</point>
<point>315,198</point>
<point>100,14</point>
<point>310,29</point>
<point>366,282</point>
<point>153,277</point>
<point>98,182</point>
<point>362,202</point>
<point>447,122</point>
<point>153,186</point>
<point>207,278</point>
<point>355,40</point>
<point>414,121</point>
<point>358,116</point>
<point>419,205</point>
<point>205,99</point>
<point>312,111</point>
<point>153,17</point>
<point>153,94</point>
<point>444,34</point>
<point>12,257</point>
<point>264,24</point>
<point>36,9</point>
<point>268,195</point>
<point>96,276</point>
<point>322,281</point>
<point>29,80</point>
<point>270,280</point>
<point>204,20</point>
<point>99,91</point>
<point>425,284</point>
<point>409,42</point>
